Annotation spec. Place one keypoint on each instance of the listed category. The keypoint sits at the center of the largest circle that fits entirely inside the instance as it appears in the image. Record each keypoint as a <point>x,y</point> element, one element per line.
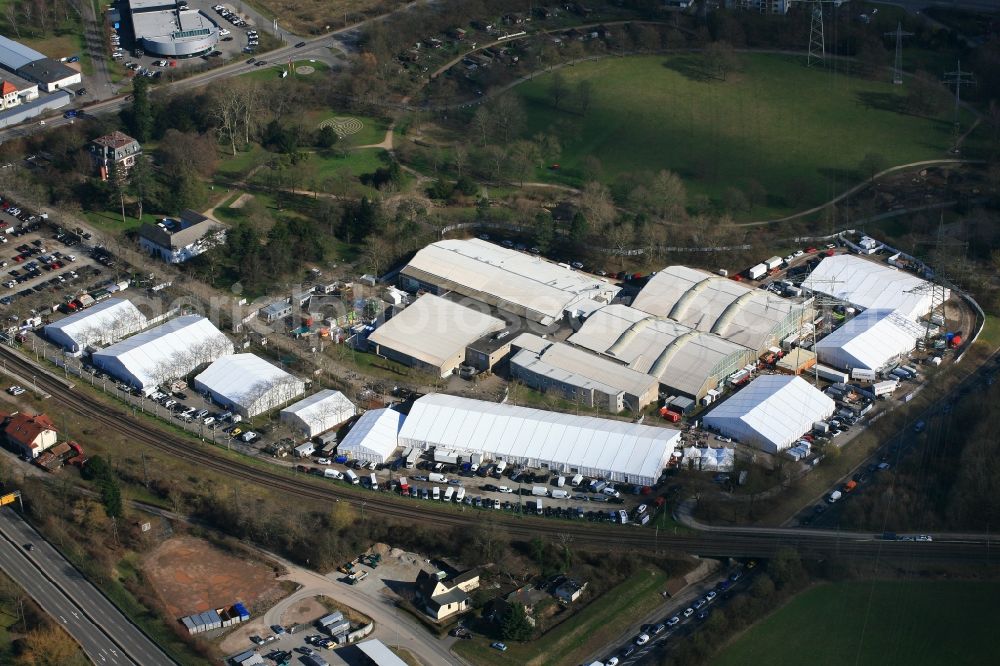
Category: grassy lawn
<point>356,162</point>
<point>776,119</point>
<point>595,626</point>
<point>884,623</point>
<point>111,221</point>
<point>274,70</point>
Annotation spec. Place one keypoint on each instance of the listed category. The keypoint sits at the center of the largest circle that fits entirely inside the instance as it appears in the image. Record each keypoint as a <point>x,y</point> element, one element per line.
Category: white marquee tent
<point>869,341</point>
<point>771,412</point>
<point>617,450</point>
<point>373,437</point>
<point>248,384</point>
<point>100,324</point>
<point>319,412</point>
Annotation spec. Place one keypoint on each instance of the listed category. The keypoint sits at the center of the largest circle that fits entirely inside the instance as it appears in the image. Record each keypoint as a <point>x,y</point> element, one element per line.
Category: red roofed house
<point>30,435</point>
<point>14,90</point>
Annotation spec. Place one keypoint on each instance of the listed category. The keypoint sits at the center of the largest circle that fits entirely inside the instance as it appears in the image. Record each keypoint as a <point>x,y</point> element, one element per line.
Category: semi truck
<point>757,272</point>
<point>863,374</point>
<point>443,456</point>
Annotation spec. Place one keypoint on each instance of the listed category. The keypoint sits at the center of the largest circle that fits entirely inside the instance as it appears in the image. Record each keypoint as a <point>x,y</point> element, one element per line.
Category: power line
<point>817,37</point>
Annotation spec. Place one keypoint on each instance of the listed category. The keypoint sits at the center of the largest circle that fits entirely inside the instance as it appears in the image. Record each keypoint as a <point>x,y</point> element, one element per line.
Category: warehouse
<point>683,360</point>
<point>753,318</point>
<point>432,334</point>
<point>100,324</point>
<point>29,64</point>
<point>617,450</point>
<point>169,351</point>
<point>162,28</point>
<point>870,341</point>
<point>248,384</point>
<point>589,380</point>
<point>771,413</point>
<point>318,413</point>
<point>516,282</point>
<point>870,285</point>
<point>374,437</point>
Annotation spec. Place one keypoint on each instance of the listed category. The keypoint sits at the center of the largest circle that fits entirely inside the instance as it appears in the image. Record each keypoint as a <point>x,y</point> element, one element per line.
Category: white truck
<point>863,374</point>
<point>332,474</point>
<point>501,466</point>
<point>757,272</point>
<point>885,388</point>
<point>559,494</point>
<point>435,477</point>
<point>539,491</point>
<point>577,480</point>
<point>830,374</point>
<point>774,262</point>
<point>561,481</point>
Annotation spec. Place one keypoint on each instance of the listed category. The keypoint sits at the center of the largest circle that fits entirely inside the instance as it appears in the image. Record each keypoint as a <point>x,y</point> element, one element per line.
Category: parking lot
<point>236,29</point>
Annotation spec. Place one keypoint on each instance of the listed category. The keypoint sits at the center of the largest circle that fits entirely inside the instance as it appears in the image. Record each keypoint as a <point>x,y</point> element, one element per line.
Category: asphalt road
<point>107,636</point>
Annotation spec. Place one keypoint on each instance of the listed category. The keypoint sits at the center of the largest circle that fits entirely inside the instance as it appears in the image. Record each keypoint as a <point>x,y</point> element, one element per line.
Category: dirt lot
<point>191,575</point>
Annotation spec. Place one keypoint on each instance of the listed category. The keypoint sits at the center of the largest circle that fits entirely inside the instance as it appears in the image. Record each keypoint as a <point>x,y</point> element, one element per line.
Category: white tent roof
<point>166,352</point>
<point>710,303</point>
<point>375,433</point>
<point>771,412</point>
<point>619,448</point>
<point>685,360</point>
<point>869,340</point>
<point>868,284</point>
<point>242,378</point>
<point>514,281</point>
<point>102,323</point>
<point>320,411</point>
<point>433,330</point>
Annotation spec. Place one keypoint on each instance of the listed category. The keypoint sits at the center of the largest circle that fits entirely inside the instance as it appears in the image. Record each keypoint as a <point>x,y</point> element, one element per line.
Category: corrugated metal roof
<point>379,653</point>
<point>771,412</point>
<point>433,330</point>
<point>618,447</point>
<point>14,55</point>
<point>513,281</point>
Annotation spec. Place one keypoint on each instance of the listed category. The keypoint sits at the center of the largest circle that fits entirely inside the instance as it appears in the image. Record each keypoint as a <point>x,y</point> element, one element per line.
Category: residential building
<point>117,149</point>
<point>29,435</point>
<point>175,240</point>
<point>569,591</point>
<point>275,311</point>
<point>442,596</point>
<point>16,91</point>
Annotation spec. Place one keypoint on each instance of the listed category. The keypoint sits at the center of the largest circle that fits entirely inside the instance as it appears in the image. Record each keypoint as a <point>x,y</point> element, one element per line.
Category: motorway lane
<point>89,600</point>
<point>18,564</point>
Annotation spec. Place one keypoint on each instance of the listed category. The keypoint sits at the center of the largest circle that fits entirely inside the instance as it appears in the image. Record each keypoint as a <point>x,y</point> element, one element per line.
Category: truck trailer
<point>757,272</point>
<point>829,374</point>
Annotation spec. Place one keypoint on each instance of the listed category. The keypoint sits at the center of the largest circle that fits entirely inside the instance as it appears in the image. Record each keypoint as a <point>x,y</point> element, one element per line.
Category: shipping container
<point>332,618</point>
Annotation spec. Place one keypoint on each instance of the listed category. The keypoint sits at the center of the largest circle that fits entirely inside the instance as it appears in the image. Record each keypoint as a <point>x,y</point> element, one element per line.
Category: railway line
<point>738,542</point>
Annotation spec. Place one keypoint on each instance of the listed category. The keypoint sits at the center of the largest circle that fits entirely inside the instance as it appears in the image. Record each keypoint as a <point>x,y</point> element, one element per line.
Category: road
<point>105,634</point>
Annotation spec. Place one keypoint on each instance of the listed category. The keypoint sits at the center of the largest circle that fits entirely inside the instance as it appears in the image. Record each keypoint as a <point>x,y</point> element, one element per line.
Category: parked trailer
<point>757,272</point>
<point>774,262</point>
<point>885,388</point>
<point>442,456</point>
<point>863,374</point>
<point>830,374</point>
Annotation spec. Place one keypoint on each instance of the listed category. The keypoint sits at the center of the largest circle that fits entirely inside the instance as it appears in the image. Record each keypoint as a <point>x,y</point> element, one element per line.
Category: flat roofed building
<point>175,240</point>
<point>705,302</point>
<point>49,74</point>
<point>14,91</point>
<point>871,285</point>
<point>164,29</point>
<point>683,360</point>
<point>579,375</point>
<point>617,450</point>
<point>165,352</point>
<point>432,334</point>
<point>373,437</point>
<point>100,324</point>
<point>771,412</point>
<point>248,384</point>
<point>516,282</point>
<point>319,412</point>
<point>378,653</point>
<point>870,341</point>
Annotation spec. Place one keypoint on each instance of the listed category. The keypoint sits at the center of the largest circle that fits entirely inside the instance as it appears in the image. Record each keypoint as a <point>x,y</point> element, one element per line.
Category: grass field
<point>273,71</point>
<point>775,120</point>
<point>883,623</point>
<point>592,628</point>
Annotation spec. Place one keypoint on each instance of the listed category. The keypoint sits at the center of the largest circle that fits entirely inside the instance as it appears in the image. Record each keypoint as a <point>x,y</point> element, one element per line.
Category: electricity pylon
<point>897,70</point>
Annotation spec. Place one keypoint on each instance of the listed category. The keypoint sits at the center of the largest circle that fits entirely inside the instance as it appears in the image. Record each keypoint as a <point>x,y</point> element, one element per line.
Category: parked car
<point>499,646</point>
<point>642,639</point>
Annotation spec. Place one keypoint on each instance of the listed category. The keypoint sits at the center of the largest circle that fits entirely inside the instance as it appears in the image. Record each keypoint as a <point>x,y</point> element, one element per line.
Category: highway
<point>735,542</point>
<point>104,633</point>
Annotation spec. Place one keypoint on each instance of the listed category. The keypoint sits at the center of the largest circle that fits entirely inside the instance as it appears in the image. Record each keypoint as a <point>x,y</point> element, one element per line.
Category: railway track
<point>742,542</point>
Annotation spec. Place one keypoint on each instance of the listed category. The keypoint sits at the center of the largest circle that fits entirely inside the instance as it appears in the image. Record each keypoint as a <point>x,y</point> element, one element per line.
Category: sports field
<point>876,624</point>
<point>776,121</point>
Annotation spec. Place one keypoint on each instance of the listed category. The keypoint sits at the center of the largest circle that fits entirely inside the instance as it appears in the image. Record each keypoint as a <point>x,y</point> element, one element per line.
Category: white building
<point>516,282</point>
<point>579,375</point>
<point>176,240</point>
<point>248,384</point>
<point>166,352</point>
<point>869,341</point>
<point>617,450</point>
<point>682,359</point>
<point>871,285</point>
<point>771,413</point>
<point>101,324</point>
<point>319,412</point>
<point>373,437</point>
<point>750,317</point>
<point>432,334</point>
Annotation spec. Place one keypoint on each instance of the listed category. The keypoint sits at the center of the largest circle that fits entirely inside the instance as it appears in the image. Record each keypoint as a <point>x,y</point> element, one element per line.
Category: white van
<point>332,474</point>
<point>374,482</point>
<point>501,466</point>
<point>436,493</point>
<point>449,493</point>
